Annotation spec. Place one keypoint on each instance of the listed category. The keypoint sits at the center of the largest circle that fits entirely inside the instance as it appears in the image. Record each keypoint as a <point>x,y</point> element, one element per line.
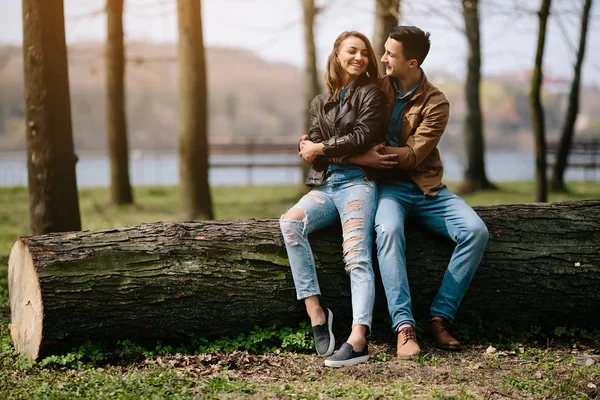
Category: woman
<point>346,121</point>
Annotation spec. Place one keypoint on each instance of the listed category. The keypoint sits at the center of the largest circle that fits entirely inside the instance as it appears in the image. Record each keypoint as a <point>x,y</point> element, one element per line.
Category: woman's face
<point>353,56</point>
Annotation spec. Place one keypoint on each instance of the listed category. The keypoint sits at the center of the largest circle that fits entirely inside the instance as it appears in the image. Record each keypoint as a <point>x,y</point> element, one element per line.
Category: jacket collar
<point>422,86</point>
<point>361,81</point>
<point>332,106</point>
<point>386,85</point>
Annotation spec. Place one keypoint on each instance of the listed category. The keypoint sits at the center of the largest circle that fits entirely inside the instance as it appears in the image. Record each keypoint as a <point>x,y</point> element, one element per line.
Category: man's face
<point>396,65</point>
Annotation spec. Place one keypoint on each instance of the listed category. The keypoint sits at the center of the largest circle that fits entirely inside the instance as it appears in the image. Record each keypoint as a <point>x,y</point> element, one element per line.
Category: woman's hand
<point>309,151</point>
<point>302,139</point>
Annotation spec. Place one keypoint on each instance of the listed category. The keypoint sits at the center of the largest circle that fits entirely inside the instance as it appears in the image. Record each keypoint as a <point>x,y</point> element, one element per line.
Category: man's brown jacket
<point>424,120</point>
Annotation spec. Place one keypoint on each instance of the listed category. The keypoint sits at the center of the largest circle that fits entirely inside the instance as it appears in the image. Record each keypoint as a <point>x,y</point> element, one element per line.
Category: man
<point>410,185</point>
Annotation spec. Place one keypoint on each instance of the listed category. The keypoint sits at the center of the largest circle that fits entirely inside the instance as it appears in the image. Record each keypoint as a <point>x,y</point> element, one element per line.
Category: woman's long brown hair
<point>333,71</point>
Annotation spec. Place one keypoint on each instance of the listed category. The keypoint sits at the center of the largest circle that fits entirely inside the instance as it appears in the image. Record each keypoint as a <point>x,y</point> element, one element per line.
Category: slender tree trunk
<point>116,124</point>
<point>387,16</point>
<point>537,110</point>
<point>53,200</point>
<point>194,191</point>
<point>475,177</point>
<point>311,72</point>
<point>557,182</point>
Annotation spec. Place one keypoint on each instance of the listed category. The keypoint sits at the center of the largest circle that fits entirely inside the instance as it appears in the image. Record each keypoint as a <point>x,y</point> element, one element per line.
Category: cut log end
<point>26,309</point>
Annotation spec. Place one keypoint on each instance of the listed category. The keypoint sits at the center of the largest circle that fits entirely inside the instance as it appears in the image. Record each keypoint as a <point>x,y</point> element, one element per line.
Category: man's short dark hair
<point>415,42</point>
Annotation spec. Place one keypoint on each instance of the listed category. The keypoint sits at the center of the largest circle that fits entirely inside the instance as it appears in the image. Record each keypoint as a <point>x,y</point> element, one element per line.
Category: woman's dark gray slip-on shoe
<point>347,356</point>
<point>323,335</point>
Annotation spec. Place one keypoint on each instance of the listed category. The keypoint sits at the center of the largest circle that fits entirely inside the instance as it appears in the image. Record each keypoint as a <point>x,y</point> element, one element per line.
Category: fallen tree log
<point>178,280</point>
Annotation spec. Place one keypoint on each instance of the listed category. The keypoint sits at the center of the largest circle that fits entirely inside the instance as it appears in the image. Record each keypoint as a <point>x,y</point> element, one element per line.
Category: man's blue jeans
<point>345,195</point>
<point>445,214</point>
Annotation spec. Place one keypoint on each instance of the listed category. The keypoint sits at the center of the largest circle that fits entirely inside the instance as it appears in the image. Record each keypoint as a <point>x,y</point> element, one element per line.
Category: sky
<point>273,30</point>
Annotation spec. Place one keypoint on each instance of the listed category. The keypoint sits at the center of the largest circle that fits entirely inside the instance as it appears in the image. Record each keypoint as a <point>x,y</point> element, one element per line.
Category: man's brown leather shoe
<point>442,338</point>
<point>407,344</point>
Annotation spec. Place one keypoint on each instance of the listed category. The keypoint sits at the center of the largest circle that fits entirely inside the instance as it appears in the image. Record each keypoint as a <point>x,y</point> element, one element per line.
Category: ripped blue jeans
<point>348,196</point>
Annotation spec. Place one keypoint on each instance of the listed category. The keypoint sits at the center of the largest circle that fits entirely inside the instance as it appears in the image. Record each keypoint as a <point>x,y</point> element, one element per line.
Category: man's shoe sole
<point>407,358</point>
<point>345,363</point>
<point>331,337</point>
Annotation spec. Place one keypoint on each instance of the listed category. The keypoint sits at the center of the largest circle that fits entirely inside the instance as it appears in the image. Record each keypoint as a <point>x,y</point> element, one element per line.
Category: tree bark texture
<point>537,110</point>
<point>387,16</point>
<point>475,177</point>
<point>52,184</point>
<point>116,123</point>
<point>194,191</point>
<point>184,279</point>
<point>557,181</point>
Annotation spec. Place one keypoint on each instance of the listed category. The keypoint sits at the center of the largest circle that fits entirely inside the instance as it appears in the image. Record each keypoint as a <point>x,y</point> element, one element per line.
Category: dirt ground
<point>477,372</point>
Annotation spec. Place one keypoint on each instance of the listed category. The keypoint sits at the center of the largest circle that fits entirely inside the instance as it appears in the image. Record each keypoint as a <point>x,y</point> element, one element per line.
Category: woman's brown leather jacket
<point>353,129</point>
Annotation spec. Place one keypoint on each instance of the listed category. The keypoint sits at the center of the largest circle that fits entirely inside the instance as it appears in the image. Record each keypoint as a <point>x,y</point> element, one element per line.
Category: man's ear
<point>413,63</point>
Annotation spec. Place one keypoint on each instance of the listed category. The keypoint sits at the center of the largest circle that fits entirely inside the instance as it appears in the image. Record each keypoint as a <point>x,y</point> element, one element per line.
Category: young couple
<point>344,145</point>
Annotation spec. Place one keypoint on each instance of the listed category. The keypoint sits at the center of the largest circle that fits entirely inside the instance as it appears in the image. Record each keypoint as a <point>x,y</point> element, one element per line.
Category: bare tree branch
<point>454,22</point>
<point>276,37</point>
<point>565,34</point>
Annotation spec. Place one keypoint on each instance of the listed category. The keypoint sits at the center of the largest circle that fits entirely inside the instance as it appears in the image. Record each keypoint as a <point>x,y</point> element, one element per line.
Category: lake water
<point>162,169</point>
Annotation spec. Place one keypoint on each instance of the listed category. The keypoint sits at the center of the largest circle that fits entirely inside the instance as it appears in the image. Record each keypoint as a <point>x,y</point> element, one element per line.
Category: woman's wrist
<point>319,149</point>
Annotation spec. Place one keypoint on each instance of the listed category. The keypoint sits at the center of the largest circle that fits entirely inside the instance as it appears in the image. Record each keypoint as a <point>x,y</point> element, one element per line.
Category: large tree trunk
<point>557,182</point>
<point>53,201</point>
<point>387,16</point>
<point>475,177</point>
<point>116,125</point>
<point>537,110</point>
<point>180,280</point>
<point>194,192</point>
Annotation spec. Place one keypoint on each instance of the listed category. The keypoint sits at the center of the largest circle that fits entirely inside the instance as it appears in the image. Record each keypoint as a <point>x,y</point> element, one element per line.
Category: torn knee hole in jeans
<point>295,215</point>
<point>354,205</point>
<point>316,198</point>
